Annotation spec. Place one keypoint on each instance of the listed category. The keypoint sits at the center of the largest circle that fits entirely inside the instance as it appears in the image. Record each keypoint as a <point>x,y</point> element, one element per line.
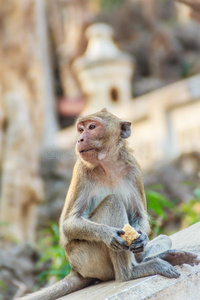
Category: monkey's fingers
<point>117,244</point>
<point>120,232</point>
<point>136,250</point>
<point>143,238</point>
<point>138,244</point>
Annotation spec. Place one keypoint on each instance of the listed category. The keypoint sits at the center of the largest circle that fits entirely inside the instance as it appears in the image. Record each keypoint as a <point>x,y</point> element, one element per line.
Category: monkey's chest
<point>96,199</point>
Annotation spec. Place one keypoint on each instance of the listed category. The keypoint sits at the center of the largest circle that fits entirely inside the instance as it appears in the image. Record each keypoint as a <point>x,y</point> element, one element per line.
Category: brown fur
<point>107,192</point>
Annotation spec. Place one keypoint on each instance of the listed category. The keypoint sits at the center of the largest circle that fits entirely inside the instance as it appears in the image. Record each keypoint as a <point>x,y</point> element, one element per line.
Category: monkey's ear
<point>125,129</point>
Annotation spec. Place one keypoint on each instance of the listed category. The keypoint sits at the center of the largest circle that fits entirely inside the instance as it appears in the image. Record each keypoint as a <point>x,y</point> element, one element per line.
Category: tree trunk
<point>21,119</point>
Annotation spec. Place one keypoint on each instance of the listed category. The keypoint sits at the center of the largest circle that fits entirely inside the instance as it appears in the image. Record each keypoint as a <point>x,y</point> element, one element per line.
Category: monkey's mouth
<point>86,150</point>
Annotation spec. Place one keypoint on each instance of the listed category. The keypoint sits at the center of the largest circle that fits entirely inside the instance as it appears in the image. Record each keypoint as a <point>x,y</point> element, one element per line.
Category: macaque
<point>107,192</point>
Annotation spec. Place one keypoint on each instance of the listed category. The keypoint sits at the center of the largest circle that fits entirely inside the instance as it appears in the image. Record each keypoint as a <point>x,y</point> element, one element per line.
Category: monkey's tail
<point>71,283</point>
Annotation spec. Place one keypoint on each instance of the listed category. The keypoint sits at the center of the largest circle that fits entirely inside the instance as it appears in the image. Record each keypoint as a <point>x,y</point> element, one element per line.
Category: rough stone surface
<point>56,172</point>
<point>18,269</point>
<point>154,287</point>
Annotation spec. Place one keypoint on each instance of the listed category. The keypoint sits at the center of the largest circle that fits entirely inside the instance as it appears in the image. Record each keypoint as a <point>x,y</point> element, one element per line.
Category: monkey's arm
<point>141,224</point>
<point>139,218</point>
<point>80,228</point>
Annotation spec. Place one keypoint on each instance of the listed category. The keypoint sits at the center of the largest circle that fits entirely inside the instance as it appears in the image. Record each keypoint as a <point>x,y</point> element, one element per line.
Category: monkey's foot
<point>155,266</point>
<point>175,257</point>
<point>168,270</point>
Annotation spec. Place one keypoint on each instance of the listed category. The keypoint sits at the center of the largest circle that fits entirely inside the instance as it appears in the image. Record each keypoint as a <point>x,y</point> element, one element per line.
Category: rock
<point>17,264</point>
<point>56,171</point>
<point>178,177</point>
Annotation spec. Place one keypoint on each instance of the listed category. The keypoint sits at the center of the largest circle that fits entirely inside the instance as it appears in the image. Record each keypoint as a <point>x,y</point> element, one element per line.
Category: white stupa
<point>104,71</point>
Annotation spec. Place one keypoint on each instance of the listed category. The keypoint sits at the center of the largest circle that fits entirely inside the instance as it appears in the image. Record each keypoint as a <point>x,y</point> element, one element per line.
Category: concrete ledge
<point>186,287</point>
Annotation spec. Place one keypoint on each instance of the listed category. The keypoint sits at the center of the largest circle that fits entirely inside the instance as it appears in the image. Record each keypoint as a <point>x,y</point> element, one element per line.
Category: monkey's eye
<point>80,129</point>
<point>92,126</point>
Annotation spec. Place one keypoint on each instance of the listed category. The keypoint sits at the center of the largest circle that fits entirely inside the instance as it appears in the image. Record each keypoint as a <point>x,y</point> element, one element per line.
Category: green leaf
<point>2,223</point>
<point>3,285</point>
<point>189,183</point>
<point>197,193</point>
<point>157,186</point>
<point>53,255</point>
<point>55,230</point>
<point>156,197</point>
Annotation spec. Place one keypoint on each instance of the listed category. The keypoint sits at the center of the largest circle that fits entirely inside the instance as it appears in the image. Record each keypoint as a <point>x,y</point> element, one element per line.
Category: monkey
<point>105,193</point>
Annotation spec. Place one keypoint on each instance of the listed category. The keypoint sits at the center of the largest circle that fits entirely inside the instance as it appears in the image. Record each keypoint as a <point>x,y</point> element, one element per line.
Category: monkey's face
<point>91,139</point>
<point>100,135</point>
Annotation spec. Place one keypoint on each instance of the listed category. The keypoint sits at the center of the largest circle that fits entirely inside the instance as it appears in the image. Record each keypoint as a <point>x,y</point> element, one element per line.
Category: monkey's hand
<point>114,241</point>
<point>138,244</point>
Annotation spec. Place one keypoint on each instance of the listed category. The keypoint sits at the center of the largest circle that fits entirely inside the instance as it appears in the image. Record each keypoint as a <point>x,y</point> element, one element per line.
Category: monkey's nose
<point>81,140</point>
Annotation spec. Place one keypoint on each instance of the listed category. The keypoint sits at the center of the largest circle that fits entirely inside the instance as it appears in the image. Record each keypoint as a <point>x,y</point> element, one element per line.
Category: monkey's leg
<point>160,248</point>
<point>112,212</point>
<point>158,245</point>
<point>125,266</point>
<point>177,257</point>
<point>163,263</point>
<point>153,267</point>
<point>90,259</point>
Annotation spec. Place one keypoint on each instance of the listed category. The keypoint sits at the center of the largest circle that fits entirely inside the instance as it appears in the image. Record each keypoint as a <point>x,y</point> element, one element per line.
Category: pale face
<point>89,144</point>
<point>99,135</point>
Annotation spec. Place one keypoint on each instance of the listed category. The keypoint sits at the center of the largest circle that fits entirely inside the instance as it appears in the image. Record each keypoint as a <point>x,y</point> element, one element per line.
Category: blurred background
<point>63,58</point>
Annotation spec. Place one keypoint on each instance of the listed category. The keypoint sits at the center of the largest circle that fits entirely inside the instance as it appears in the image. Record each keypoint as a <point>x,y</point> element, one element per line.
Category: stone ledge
<point>154,287</point>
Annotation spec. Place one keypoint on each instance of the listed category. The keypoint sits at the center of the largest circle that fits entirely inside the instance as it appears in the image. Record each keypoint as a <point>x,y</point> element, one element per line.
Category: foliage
<point>197,194</point>
<point>110,5</point>
<point>186,68</point>
<point>2,285</point>
<point>158,208</point>
<point>52,253</point>
<point>105,5</point>
<point>190,212</point>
